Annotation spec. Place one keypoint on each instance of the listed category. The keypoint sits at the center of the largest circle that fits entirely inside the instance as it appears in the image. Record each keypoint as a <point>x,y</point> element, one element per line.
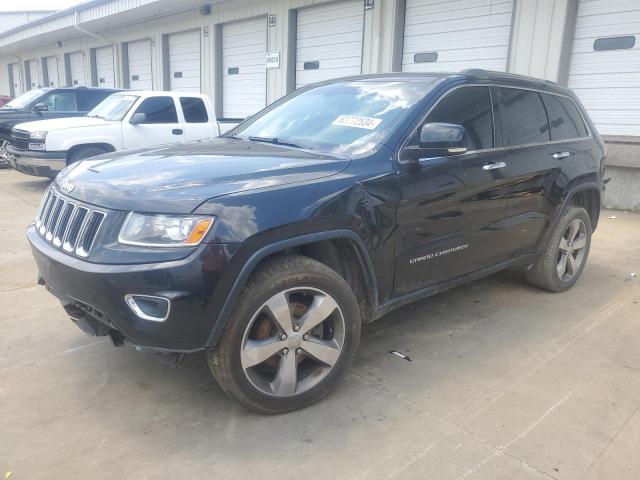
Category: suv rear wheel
<point>292,333</point>
<point>566,253</point>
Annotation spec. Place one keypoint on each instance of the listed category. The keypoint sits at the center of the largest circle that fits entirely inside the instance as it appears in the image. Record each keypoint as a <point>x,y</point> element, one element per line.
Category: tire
<point>297,285</point>
<point>548,272</point>
<point>84,152</point>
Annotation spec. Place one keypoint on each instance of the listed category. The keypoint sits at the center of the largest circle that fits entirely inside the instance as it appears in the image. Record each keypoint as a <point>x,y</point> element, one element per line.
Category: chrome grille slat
<point>68,225</point>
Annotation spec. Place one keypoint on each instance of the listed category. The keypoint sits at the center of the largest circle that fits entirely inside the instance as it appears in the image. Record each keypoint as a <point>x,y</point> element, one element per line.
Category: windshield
<point>348,118</point>
<point>114,107</point>
<point>24,100</point>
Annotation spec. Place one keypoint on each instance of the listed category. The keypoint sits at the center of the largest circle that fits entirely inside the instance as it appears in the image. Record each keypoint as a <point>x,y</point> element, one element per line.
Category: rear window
<point>525,118</point>
<point>564,118</point>
<point>89,99</point>
<point>194,110</point>
<point>159,110</point>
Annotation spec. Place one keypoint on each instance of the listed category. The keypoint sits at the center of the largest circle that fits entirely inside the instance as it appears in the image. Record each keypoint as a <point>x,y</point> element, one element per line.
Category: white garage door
<point>76,64</point>
<point>140,73</point>
<point>184,61</point>
<point>244,48</point>
<point>52,71</point>
<point>17,85</point>
<point>329,41</point>
<point>105,75</point>
<point>34,74</point>
<point>458,34</point>
<point>605,64</point>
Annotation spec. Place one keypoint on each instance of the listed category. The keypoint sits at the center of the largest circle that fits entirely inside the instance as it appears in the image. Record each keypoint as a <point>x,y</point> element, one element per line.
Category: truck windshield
<point>339,119</point>
<point>114,107</point>
<point>23,101</point>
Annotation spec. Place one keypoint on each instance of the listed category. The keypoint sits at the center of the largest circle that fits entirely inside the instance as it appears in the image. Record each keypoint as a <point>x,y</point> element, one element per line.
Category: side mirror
<point>443,138</point>
<point>40,107</point>
<point>137,118</point>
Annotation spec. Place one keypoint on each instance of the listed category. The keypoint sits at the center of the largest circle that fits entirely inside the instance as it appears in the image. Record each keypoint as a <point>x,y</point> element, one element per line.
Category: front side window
<point>341,119</point>
<point>114,107</point>
<point>61,102</point>
<point>525,119</point>
<point>159,110</point>
<point>564,118</point>
<point>471,108</point>
<point>194,110</point>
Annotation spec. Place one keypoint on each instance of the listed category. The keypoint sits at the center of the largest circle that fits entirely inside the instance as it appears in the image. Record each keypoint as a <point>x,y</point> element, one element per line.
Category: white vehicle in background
<point>124,120</point>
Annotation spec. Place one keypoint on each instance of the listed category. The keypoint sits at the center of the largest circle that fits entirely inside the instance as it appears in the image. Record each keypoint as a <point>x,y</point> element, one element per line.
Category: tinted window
<point>61,102</point>
<point>564,118</point>
<point>471,108</point>
<point>194,110</point>
<point>525,119</point>
<point>159,110</point>
<point>89,99</point>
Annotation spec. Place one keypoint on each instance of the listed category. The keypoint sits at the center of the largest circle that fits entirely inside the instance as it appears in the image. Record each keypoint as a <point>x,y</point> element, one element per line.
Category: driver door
<point>450,214</point>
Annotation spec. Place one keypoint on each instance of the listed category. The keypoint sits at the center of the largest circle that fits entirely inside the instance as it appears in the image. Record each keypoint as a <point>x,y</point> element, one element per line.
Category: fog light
<point>36,146</point>
<point>149,307</point>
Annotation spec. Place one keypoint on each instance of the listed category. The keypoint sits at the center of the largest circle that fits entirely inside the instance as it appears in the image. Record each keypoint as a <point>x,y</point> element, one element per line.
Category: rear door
<point>451,210</point>
<point>532,170</point>
<point>197,124</point>
<point>161,126</point>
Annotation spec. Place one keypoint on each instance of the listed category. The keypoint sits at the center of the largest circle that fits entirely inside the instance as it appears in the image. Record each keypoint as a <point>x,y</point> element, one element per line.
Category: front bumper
<point>94,294</point>
<point>40,164</point>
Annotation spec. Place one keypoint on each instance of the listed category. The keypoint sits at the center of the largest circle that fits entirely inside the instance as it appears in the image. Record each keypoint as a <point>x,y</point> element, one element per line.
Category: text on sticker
<point>367,123</point>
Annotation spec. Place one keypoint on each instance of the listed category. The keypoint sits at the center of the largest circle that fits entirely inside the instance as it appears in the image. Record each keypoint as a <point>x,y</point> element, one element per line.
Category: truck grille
<point>67,224</point>
<point>20,139</point>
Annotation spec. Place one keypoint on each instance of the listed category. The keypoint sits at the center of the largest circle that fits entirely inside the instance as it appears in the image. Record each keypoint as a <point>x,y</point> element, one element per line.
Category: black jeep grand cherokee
<point>270,246</point>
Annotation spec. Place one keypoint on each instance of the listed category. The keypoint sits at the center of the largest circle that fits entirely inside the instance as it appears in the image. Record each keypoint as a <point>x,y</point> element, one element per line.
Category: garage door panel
<point>332,36</point>
<point>17,86</point>
<point>52,71</point>
<point>464,33</point>
<point>76,63</point>
<point>34,73</point>
<point>184,57</point>
<point>608,82</point>
<point>244,47</point>
<point>105,75</point>
<point>140,65</point>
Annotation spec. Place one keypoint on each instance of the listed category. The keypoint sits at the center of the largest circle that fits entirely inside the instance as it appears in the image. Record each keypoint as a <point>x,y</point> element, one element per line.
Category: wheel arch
<point>107,147</point>
<point>321,246</point>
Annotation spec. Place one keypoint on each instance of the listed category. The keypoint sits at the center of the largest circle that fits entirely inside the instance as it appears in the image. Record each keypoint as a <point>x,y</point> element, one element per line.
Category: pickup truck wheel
<point>84,152</point>
<point>292,333</point>
<point>566,252</point>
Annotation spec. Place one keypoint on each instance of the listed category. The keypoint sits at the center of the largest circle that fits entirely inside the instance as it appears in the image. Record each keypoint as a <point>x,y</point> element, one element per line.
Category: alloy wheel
<point>292,342</point>
<point>572,249</point>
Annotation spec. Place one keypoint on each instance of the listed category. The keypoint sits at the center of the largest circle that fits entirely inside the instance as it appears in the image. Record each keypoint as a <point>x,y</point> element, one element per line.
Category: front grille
<point>67,224</point>
<point>20,139</point>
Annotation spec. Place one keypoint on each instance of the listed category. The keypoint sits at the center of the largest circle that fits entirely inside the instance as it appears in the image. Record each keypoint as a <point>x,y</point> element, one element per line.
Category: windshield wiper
<point>274,141</point>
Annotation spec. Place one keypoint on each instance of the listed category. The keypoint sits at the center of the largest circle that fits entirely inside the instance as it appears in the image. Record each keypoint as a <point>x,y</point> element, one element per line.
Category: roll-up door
<point>455,35</point>
<point>52,71</point>
<point>605,64</point>
<point>140,73</point>
<point>244,47</point>
<point>105,72</point>
<point>184,61</point>
<point>34,74</point>
<point>17,84</point>
<point>76,68</point>
<point>329,41</point>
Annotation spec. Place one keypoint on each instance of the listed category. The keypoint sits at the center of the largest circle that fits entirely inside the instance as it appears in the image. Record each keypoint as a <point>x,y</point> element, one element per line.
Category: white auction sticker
<point>367,123</point>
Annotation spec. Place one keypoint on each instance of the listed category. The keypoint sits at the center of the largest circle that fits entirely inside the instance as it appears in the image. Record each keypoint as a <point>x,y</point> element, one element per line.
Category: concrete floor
<point>505,381</point>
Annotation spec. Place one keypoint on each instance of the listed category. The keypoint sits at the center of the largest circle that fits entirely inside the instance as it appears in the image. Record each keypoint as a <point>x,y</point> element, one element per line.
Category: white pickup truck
<point>124,120</point>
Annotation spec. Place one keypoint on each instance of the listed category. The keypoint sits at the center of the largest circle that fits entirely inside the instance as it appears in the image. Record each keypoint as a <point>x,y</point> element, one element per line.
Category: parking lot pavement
<point>505,381</point>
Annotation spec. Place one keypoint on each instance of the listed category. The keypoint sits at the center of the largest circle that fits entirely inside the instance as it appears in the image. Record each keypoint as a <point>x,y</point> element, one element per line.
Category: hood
<point>178,178</point>
<point>53,124</point>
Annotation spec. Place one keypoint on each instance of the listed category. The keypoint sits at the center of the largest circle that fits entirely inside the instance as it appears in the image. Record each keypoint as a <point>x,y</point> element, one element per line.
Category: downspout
<point>113,44</point>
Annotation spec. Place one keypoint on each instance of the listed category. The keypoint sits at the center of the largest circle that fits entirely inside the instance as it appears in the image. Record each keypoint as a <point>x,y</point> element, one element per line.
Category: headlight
<point>38,135</point>
<point>164,230</point>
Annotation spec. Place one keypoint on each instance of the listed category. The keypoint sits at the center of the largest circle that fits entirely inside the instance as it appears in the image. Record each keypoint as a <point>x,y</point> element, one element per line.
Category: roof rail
<point>476,72</point>
<point>489,74</point>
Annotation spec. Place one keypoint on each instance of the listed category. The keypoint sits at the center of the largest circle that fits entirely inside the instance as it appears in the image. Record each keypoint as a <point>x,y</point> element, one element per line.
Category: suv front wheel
<point>566,252</point>
<point>293,332</point>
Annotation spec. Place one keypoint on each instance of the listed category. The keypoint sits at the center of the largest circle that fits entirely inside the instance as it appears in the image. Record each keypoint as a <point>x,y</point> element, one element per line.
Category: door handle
<point>494,165</point>
<point>561,155</point>
<point>177,131</point>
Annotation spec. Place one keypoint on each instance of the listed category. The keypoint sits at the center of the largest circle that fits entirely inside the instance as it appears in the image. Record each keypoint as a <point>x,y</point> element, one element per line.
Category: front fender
<point>59,142</point>
<point>248,266</point>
